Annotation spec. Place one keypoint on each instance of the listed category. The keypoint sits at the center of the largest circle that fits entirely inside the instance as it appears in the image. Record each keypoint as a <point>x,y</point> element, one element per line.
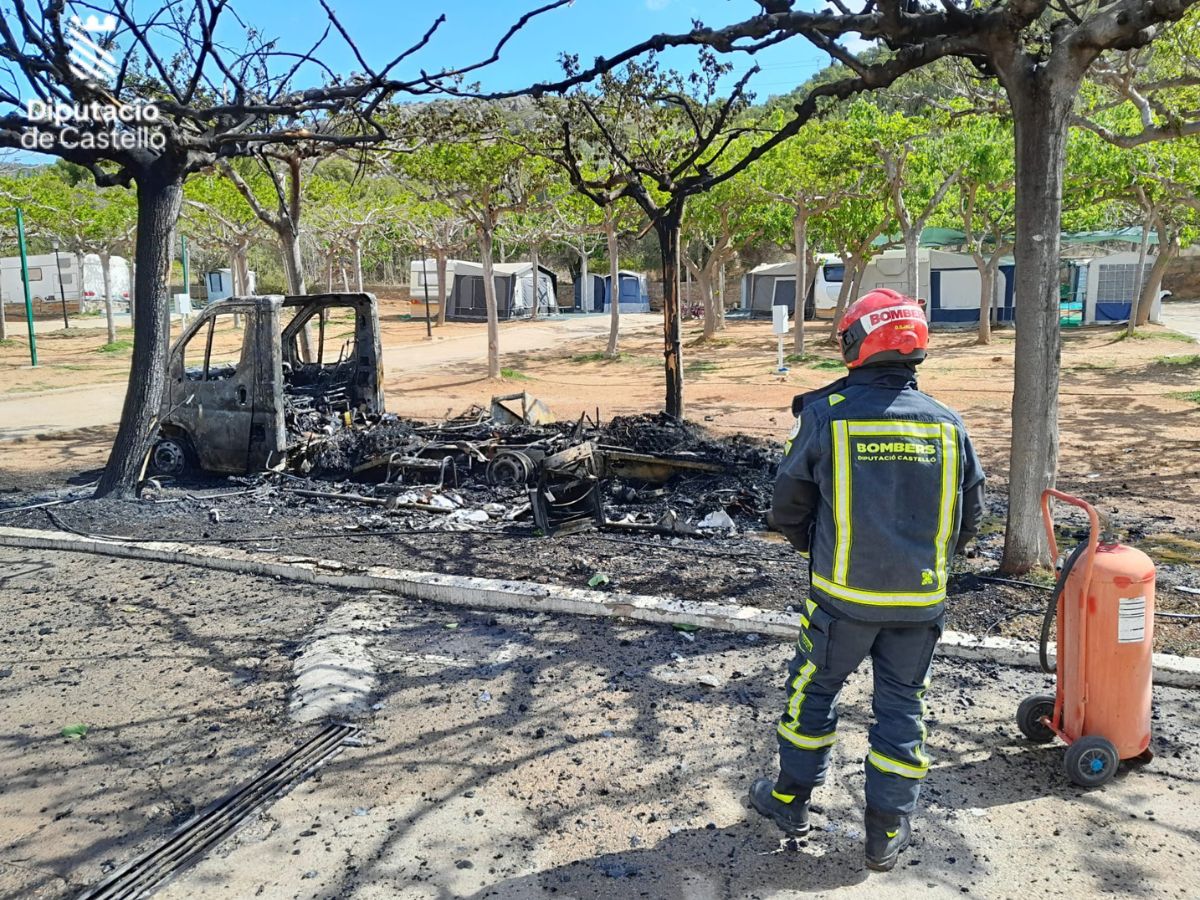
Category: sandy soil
<point>72,357</point>
<point>1123,433</point>
<point>516,756</point>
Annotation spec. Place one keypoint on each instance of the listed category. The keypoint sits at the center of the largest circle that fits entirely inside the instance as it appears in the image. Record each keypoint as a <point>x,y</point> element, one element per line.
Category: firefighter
<point>878,488</point>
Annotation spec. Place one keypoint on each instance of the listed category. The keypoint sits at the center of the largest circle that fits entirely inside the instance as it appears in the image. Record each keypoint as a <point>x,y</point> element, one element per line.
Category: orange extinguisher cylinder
<point>1106,641</point>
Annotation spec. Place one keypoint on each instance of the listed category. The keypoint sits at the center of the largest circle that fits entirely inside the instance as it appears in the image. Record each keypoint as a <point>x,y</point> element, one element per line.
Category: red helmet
<point>883,326</point>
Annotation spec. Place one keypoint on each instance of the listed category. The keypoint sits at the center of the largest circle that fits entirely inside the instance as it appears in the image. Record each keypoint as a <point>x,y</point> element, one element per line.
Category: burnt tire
<point>171,455</point>
<point>1091,761</point>
<point>1029,717</point>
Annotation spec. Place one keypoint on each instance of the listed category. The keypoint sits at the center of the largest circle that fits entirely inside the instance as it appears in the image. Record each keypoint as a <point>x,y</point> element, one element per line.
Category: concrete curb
<point>492,593</point>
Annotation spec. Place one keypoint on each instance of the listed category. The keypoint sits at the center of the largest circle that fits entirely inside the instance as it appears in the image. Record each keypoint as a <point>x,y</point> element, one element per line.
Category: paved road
<point>68,409</point>
<point>1183,316</point>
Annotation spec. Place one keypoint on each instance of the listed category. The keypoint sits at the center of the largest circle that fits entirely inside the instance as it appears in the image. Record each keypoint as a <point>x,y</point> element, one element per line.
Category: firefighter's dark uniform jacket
<point>881,486</point>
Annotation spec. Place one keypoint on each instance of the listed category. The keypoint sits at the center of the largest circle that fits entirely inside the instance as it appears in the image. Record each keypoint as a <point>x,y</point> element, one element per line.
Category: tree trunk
<point>800,239</point>
<point>667,229</point>
<point>912,274</point>
<point>721,298</point>
<point>293,267</point>
<point>159,195</point>
<point>850,275</point>
<point>106,274</point>
<point>1168,247</point>
<point>537,276</point>
<point>293,262</point>
<point>489,296</point>
<point>443,291</point>
<point>987,286</point>
<point>237,274</point>
<point>358,272</point>
<point>1041,108</point>
<point>1139,277</point>
<point>704,282</point>
<point>614,270</point>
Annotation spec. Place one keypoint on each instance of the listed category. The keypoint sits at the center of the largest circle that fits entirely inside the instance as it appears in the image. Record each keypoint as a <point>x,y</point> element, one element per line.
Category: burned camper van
<point>246,363</point>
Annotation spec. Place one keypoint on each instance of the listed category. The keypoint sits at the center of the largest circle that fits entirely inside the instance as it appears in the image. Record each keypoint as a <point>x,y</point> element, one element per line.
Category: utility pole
<point>25,284</point>
<point>62,295</point>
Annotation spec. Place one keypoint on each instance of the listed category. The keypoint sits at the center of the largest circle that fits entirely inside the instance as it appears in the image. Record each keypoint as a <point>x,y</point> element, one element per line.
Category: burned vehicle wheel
<point>171,456</point>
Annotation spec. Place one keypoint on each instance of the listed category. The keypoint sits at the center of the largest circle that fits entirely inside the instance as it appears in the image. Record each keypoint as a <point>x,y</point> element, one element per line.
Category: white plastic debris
<point>717,521</point>
<point>477,516</point>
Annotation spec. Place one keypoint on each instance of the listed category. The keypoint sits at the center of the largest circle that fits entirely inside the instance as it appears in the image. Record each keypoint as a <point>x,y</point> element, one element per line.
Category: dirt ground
<point>516,756</point>
<point>1125,437</point>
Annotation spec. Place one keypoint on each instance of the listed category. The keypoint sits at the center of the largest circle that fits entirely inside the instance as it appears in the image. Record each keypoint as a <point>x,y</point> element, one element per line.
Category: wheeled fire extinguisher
<point>1103,602</point>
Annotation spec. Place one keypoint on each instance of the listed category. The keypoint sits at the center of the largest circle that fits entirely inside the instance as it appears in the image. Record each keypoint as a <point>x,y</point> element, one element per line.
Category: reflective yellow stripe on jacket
<point>837,585</point>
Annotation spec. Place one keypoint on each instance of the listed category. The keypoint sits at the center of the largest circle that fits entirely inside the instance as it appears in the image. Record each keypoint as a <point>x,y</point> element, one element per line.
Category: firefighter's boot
<point>887,835</point>
<point>788,811</point>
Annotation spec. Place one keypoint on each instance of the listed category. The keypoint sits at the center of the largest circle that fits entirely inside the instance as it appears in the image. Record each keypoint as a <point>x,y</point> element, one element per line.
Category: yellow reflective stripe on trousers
<point>799,683</point>
<point>919,750</point>
<point>841,499</point>
<point>895,767</point>
<point>949,496</point>
<point>807,741</point>
<point>879,598</point>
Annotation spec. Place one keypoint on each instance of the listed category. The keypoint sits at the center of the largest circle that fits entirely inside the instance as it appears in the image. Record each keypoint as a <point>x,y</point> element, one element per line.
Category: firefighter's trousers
<point>828,651</point>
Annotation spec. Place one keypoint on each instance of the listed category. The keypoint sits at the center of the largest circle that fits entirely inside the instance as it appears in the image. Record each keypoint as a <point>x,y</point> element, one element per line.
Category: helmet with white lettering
<point>883,327</point>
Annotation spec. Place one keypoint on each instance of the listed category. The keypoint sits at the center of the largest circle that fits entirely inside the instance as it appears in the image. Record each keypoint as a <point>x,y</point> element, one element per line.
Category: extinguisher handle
<point>1093,531</point>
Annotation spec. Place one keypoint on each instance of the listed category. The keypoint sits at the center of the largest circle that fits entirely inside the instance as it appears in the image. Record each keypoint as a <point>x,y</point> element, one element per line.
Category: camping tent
<point>633,294</point>
<point>948,282</point>
<point>774,284</point>
<point>599,294</point>
<point>1106,285</point>
<point>514,292</point>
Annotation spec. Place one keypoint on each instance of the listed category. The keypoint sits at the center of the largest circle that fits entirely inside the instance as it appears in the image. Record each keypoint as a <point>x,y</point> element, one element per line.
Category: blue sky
<point>589,28</point>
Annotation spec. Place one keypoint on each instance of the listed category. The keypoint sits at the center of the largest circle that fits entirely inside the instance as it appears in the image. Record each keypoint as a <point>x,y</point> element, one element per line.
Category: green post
<point>25,283</point>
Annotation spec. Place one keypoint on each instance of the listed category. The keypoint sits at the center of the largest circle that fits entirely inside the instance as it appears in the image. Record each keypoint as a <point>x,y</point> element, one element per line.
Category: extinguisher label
<point>1131,621</point>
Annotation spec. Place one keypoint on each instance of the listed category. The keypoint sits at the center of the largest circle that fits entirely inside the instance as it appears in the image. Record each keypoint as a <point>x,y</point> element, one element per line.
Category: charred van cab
<point>229,390</point>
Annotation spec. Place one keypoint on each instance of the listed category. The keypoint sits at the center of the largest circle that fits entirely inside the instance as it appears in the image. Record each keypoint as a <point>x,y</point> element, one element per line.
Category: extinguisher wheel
<point>1091,761</point>
<point>1029,717</point>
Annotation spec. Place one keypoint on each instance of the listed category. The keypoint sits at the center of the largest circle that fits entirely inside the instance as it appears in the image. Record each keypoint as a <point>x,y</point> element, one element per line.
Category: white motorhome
<point>219,285</point>
<point>84,285</point>
<point>423,274</point>
<point>774,284</point>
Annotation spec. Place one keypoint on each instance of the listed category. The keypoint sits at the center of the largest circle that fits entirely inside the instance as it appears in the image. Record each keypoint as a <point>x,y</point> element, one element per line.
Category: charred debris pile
<point>513,463</point>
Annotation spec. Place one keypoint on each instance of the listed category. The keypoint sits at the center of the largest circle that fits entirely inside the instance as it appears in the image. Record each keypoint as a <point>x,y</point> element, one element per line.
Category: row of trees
<point>870,169</point>
<point>624,133</point>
